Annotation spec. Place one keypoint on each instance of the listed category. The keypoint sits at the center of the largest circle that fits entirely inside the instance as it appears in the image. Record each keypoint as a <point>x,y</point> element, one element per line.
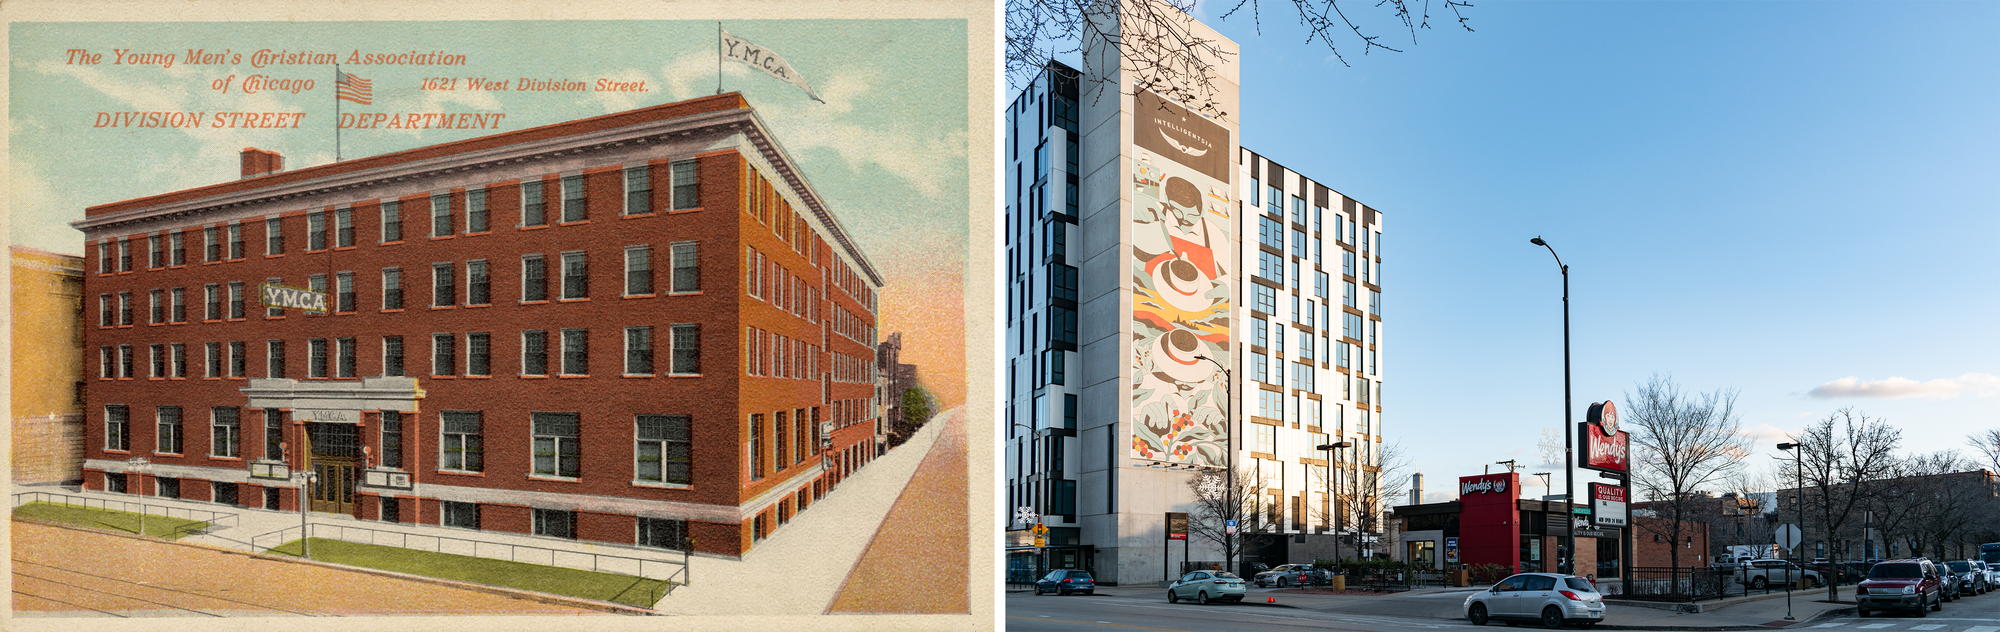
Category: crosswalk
<point>1914,627</point>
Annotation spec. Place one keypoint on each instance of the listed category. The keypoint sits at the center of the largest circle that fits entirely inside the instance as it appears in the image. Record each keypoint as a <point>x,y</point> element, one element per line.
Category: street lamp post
<point>305,483</point>
<point>1228,453</point>
<point>140,465</point>
<point>1798,479</point>
<point>1034,499</point>
<point>1569,444</point>
<point>1334,498</point>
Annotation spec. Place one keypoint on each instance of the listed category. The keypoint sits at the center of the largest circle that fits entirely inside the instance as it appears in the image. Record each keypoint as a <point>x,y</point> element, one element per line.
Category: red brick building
<point>636,328</point>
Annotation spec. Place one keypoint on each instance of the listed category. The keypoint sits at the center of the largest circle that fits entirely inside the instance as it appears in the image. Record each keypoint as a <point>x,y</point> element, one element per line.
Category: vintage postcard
<point>621,310</point>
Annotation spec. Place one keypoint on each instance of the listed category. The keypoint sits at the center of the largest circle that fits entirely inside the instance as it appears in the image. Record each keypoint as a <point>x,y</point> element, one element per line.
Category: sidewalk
<point>799,569</point>
<point>924,543</point>
<point>1448,603</point>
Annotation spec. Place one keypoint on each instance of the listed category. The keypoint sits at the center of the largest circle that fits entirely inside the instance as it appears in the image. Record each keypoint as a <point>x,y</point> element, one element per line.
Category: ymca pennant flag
<point>352,88</point>
<point>758,57</point>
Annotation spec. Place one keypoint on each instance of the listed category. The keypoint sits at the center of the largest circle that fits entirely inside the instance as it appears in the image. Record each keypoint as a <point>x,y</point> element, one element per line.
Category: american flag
<point>352,88</point>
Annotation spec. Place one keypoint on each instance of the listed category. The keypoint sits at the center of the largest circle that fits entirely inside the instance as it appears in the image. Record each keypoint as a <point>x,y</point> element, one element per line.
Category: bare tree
<point>1987,443</point>
<point>1682,444</point>
<point>1364,491</point>
<point>1217,502</point>
<point>1841,455</point>
<point>1162,51</point>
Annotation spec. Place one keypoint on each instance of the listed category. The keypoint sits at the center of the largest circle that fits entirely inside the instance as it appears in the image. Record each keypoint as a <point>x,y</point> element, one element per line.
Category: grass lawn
<point>625,589</point>
<point>158,526</point>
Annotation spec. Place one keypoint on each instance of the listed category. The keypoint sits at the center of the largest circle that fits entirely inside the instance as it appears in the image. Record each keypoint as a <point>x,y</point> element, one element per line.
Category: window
<point>638,270</point>
<point>235,300</point>
<point>638,191</point>
<point>1260,332</point>
<point>170,439</point>
<point>274,237</point>
<point>177,297</point>
<point>639,350</point>
<point>237,358</point>
<point>343,227</point>
<point>687,268</point>
<point>1264,299</point>
<point>663,451</point>
<point>316,357</point>
<point>575,352</point>
<point>343,351</point>
<point>1062,325</point>
<point>274,358</point>
<point>155,310</point>
<point>1062,282</point>
<point>460,515</point>
<point>315,230</point>
<point>1347,263</point>
<point>573,199</point>
<point>211,247</point>
<point>444,354</point>
<point>343,289</point>
<point>392,356</point>
<point>224,438</point>
<point>1347,293</point>
<point>475,211</point>
<point>686,193</point>
<point>117,418</point>
<point>444,290</point>
<point>687,349</point>
<point>757,446</point>
<point>156,356</point>
<point>1267,438</point>
<point>392,288</point>
<point>534,352</point>
<point>575,277</point>
<point>1260,367</point>
<point>392,439</point>
<point>441,215</point>
<point>153,251</point>
<point>212,352</point>
<point>555,523</point>
<point>176,249</point>
<point>179,352</point>
<point>532,204</point>
<point>477,283</point>
<point>461,444</point>
<point>555,436</point>
<point>392,221</point>
<point>780,429</point>
<point>1374,303</point>
<point>534,279</point>
<point>478,354</point>
<point>1271,266</point>
<point>663,533</point>
<point>105,316</point>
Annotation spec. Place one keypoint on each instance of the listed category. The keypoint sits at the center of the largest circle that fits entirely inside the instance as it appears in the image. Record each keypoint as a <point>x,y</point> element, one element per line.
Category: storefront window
<point>1531,553</point>
<point>1423,553</point>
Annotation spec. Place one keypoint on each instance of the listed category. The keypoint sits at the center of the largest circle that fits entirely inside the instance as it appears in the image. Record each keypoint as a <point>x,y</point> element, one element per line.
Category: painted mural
<point>1183,254</point>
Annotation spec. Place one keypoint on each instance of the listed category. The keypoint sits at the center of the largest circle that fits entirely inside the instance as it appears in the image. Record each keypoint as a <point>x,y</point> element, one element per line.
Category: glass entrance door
<point>336,455</point>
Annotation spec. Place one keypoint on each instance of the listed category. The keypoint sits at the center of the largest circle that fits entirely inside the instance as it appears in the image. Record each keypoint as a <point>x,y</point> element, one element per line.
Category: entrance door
<point>336,454</point>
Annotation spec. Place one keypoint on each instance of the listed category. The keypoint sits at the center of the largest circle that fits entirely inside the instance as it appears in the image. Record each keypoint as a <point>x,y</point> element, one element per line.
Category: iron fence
<point>204,520</point>
<point>673,572</point>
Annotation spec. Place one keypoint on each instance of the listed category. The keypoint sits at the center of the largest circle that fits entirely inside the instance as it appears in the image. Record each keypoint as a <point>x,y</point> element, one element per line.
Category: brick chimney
<point>257,162</point>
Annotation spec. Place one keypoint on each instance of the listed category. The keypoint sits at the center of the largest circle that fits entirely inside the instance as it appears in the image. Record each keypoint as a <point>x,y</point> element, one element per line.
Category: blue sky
<point>1771,197</point>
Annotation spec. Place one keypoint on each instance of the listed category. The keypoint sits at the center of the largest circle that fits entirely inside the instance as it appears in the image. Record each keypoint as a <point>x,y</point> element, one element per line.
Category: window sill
<point>583,299</point>
<point>437,307</point>
<point>573,376</point>
<point>442,237</point>
<point>460,473</point>
<point>638,215</point>
<point>553,478</point>
<point>661,485</point>
<point>579,222</point>
<point>534,377</point>
<point>478,377</point>
<point>129,325</point>
<point>638,376</point>
<point>476,305</point>
<point>398,242</point>
<point>690,375</point>
<point>274,317</point>
<point>534,227</point>
<point>444,377</point>
<point>536,302</point>
<point>685,210</point>
<point>176,455</point>
<point>693,293</point>
<point>274,256</point>
<point>218,457</point>
<point>396,310</point>
<point>653,295</point>
<point>470,234</point>
<point>111,451</point>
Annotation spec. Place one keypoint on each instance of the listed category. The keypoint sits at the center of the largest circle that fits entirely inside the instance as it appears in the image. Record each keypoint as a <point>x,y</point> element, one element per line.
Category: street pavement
<point>1146,607</point>
<point>919,560</point>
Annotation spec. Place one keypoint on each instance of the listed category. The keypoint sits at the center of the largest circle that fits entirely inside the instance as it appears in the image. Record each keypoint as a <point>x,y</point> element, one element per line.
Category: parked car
<point>1951,591</point>
<point>1971,580</point>
<point>1992,571</point>
<point>1552,599</point>
<point>1760,574</point>
<point>1208,586</point>
<point>1289,575</point>
<point>1066,582</point>
<point>1909,584</point>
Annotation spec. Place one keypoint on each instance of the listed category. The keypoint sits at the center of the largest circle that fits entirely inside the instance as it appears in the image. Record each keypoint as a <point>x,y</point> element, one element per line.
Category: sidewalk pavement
<point>919,561</point>
<point>797,570</point>
<point>800,568</point>
<point>1760,612</point>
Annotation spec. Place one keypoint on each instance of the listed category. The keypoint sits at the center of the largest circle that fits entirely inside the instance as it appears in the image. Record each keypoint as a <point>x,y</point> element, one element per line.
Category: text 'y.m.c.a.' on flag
<point>282,297</point>
<point>352,88</point>
<point>736,48</point>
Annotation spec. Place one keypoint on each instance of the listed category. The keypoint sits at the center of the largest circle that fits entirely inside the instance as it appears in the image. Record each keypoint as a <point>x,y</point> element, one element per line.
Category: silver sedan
<point>1208,586</point>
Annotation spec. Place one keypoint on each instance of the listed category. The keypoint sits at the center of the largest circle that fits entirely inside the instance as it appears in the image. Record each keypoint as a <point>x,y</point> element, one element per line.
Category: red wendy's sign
<point>1605,447</point>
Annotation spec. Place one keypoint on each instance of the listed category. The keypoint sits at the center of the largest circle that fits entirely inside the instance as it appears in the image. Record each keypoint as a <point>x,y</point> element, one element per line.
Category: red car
<point>1908,584</point>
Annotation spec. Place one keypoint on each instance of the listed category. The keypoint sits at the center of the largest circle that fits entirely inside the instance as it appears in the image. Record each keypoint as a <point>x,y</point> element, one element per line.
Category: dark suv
<point>1901,585</point>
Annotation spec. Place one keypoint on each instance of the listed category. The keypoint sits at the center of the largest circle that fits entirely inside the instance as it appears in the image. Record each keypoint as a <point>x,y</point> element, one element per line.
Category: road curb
<point>1835,612</point>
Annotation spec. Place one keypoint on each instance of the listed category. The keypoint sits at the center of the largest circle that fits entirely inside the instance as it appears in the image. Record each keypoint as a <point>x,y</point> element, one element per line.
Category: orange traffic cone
<point>1270,600</point>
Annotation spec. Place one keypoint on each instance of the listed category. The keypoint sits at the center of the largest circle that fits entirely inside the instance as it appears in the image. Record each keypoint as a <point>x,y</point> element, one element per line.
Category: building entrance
<point>336,455</point>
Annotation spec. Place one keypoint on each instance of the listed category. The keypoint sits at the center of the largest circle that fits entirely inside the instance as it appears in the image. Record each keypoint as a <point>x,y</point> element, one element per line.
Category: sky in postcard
<point>887,150</point>
<point>1795,200</point>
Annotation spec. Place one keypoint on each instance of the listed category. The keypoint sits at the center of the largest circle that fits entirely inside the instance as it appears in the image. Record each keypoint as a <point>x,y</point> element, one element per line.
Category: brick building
<point>638,328</point>
<point>45,385</point>
<point>1652,543</point>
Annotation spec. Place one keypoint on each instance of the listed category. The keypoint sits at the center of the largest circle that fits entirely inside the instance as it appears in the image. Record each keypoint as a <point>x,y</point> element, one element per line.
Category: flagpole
<point>336,117</point>
<point>718,57</point>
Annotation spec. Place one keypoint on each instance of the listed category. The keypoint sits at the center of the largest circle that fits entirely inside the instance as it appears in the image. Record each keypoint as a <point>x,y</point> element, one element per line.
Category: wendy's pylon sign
<point>1605,447</point>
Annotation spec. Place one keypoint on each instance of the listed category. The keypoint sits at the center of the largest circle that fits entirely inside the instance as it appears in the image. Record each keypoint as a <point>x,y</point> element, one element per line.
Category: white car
<point>1759,574</point>
<point>1553,600</point>
<point>1283,575</point>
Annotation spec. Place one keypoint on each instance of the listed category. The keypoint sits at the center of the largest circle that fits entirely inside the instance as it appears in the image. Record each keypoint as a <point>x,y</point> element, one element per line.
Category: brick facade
<point>712,323</point>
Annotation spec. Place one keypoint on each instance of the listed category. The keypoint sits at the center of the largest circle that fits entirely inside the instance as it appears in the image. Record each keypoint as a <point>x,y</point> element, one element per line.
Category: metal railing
<point>673,572</point>
<point>206,521</point>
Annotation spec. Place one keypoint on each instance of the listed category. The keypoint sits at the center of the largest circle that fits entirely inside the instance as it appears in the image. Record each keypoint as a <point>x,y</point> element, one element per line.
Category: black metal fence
<point>1695,584</point>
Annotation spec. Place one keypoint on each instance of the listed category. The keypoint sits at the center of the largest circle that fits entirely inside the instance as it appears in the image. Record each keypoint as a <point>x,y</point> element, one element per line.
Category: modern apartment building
<point>1177,308</point>
<point>642,328</point>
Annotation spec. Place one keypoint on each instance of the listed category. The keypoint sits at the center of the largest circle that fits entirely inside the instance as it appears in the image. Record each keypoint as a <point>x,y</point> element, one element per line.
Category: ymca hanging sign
<point>281,297</point>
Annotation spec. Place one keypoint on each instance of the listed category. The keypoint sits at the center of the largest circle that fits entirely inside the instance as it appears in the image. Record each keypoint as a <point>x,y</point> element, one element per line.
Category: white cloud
<point>1977,384</point>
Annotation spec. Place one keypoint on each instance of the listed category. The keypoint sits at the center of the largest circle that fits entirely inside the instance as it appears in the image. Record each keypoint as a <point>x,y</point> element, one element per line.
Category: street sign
<point>1788,536</point>
<point>1177,526</point>
<point>1229,526</point>
<point>1041,535</point>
